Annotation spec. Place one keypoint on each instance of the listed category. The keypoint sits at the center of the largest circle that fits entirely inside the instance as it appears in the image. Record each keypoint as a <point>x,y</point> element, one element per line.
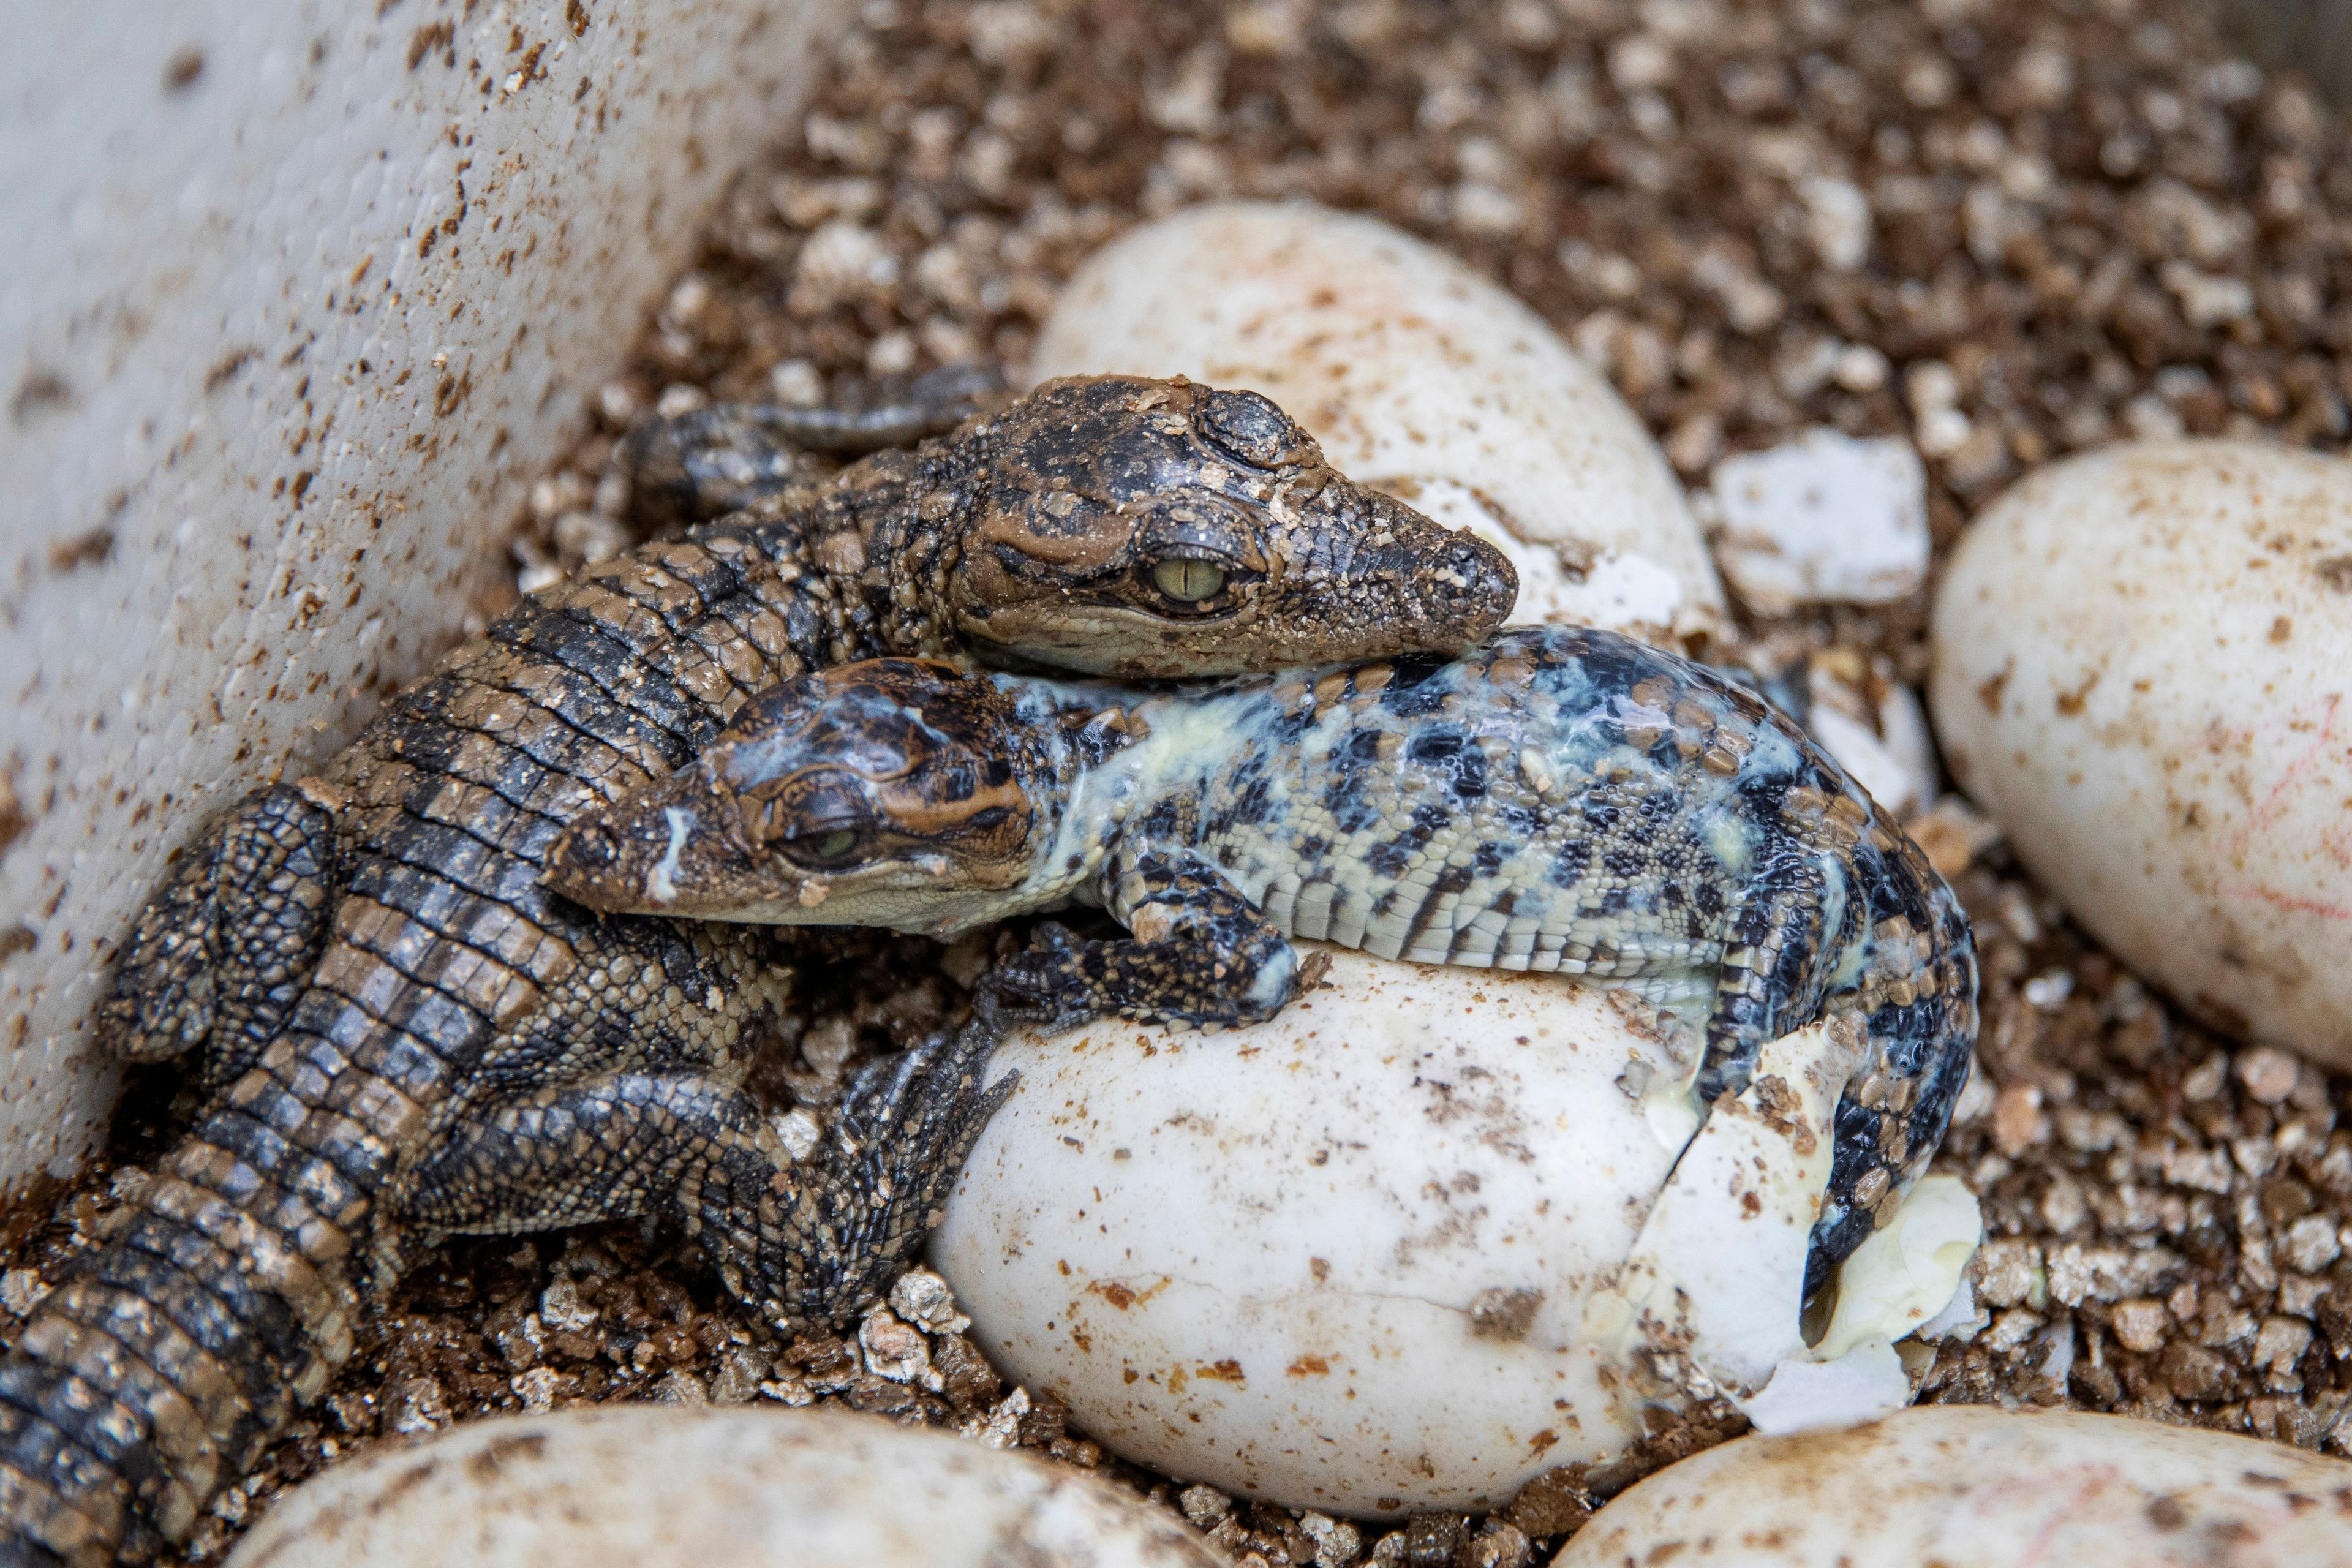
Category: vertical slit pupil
<point>1188,581</point>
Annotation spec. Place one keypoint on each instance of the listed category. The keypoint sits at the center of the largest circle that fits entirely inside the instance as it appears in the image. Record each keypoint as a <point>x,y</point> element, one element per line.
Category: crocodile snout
<point>1474,586</point>
<point>1441,588</point>
<point>1450,589</point>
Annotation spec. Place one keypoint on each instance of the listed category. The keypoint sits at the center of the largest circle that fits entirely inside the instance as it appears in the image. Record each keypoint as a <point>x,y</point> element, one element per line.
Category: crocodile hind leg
<point>1916,995</point>
<point>705,464</point>
<point>1887,1126</point>
<point>808,1244</point>
<point>222,952</point>
<point>1202,954</point>
<point>1892,1115</point>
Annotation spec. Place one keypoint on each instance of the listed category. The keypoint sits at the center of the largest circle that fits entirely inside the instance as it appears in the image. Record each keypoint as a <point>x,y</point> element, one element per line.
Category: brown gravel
<point>2003,231</point>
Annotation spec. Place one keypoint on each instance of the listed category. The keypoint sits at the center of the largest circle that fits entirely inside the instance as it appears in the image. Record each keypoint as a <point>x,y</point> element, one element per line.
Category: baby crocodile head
<point>894,793</point>
<point>1162,528</point>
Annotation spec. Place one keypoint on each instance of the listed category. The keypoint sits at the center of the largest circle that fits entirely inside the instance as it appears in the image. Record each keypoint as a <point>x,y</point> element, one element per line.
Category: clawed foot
<point>1199,953</point>
<point>222,955</point>
<point>1046,985</point>
<point>870,1192</point>
<point>927,1096</point>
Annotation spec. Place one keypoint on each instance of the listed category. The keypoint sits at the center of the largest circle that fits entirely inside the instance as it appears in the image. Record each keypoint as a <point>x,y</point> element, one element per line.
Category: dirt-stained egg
<point>1976,1487</point>
<point>2143,657</point>
<point>1419,376</point>
<point>638,1486</point>
<point>1429,1233</point>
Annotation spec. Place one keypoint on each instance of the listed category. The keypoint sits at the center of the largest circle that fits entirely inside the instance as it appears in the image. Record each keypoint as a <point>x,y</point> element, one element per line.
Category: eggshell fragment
<point>1973,1487</point>
<point>2142,657</point>
<point>1417,375</point>
<point>654,1487</point>
<point>1826,517</point>
<point>1426,1235</point>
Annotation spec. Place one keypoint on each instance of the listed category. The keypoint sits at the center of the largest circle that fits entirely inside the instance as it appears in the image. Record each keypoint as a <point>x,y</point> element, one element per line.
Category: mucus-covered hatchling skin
<point>399,1031</point>
<point>1559,799</point>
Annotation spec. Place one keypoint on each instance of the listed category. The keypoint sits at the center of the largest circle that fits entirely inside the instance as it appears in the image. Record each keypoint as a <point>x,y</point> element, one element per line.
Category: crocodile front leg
<point>702,465</point>
<point>808,1244</point>
<point>221,954</point>
<point>1202,954</point>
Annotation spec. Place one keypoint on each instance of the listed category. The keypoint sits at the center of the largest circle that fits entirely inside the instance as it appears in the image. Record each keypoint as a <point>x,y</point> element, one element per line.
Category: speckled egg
<point>2141,661</point>
<point>661,1487</point>
<point>1427,1234</point>
<point>1419,376</point>
<point>1972,1486</point>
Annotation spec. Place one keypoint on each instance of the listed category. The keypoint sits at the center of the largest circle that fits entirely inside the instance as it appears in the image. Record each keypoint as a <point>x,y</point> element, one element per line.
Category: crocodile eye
<point>817,820</point>
<point>822,845</point>
<point>1187,580</point>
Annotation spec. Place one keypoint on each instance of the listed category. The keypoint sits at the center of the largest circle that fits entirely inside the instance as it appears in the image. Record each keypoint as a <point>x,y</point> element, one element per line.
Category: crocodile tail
<point>1890,1120</point>
<point>169,1354</point>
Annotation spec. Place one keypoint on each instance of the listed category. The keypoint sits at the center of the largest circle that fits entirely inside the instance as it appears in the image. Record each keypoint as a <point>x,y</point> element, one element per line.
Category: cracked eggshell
<point>1822,518</point>
<point>1428,1233</point>
<point>663,1487</point>
<point>1418,376</point>
<point>2142,659</point>
<point>1973,1487</point>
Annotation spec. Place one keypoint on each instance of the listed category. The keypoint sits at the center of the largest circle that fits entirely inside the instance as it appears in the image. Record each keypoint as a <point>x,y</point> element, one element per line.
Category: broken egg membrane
<point>1428,1233</point>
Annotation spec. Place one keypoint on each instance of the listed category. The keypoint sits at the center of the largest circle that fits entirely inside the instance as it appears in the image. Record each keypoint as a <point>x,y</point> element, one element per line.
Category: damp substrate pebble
<point>2000,232</point>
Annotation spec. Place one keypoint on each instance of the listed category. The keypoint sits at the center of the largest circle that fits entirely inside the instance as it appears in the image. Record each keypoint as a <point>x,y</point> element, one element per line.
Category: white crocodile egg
<point>1418,376</point>
<point>640,1486</point>
<point>1423,1237</point>
<point>1976,1487</point>
<point>2142,661</point>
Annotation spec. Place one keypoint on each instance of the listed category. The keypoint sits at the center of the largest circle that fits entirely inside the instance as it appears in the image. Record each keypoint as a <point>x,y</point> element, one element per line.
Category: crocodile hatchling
<point>1555,799</point>
<point>403,1033</point>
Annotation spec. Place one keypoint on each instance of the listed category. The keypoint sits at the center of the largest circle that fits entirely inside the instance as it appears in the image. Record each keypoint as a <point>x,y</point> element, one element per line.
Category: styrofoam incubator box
<point>294,299</point>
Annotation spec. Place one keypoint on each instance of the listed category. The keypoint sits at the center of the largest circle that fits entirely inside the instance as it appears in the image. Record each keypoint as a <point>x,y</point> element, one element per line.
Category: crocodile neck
<point>881,538</point>
<point>1106,754</point>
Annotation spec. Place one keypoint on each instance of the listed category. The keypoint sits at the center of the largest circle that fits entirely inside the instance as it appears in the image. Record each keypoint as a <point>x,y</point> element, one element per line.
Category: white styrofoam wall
<point>294,298</point>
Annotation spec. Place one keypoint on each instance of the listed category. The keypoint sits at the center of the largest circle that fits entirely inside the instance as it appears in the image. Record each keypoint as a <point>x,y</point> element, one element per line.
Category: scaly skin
<point>405,1034</point>
<point>1557,799</point>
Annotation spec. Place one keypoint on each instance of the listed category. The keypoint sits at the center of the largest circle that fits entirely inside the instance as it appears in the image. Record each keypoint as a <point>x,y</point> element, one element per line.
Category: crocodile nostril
<point>1481,574</point>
